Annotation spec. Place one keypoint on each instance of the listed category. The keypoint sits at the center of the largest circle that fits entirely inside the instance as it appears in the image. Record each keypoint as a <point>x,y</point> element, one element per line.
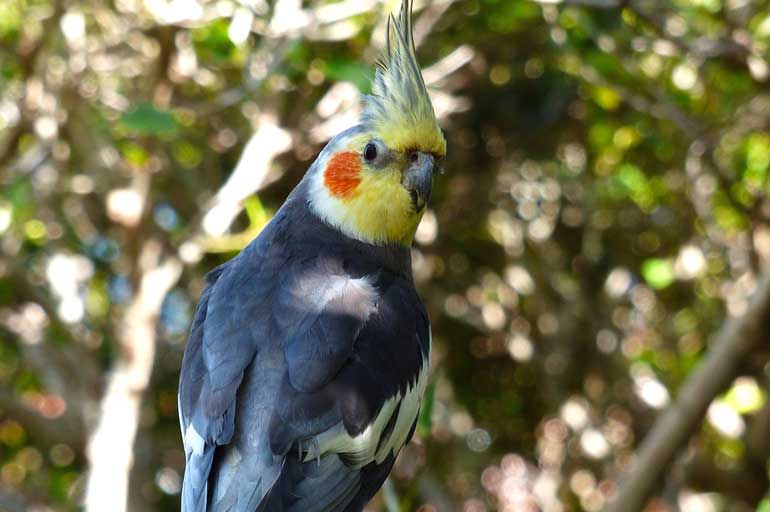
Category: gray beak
<point>418,178</point>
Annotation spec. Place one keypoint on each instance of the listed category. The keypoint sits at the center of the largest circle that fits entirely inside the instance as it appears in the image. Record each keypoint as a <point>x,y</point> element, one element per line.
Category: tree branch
<point>110,449</point>
<point>28,53</point>
<point>733,343</point>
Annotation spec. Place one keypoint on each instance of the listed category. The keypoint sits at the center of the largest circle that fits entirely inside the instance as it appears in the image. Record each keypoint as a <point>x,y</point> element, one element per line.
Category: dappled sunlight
<point>597,241</point>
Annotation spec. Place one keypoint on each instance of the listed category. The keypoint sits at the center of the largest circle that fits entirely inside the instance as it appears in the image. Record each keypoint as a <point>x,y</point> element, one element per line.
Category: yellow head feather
<point>368,203</point>
<point>399,108</point>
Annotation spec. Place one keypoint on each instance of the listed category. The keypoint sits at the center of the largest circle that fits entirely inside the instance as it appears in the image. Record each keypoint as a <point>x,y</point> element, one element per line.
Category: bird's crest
<point>399,108</point>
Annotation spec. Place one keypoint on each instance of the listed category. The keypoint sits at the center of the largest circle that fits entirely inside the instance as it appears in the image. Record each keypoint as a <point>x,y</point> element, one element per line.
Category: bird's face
<point>373,181</point>
<point>374,187</point>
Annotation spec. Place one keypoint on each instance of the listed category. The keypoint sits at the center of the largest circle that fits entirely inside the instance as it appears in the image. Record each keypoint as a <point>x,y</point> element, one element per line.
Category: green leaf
<point>728,218</point>
<point>134,154</point>
<point>764,505</point>
<point>256,212</point>
<point>658,273</point>
<point>638,187</point>
<point>745,396</point>
<point>757,161</point>
<point>212,42</point>
<point>11,17</point>
<point>424,422</point>
<point>147,119</point>
<point>346,70</point>
<point>607,98</point>
<point>187,154</point>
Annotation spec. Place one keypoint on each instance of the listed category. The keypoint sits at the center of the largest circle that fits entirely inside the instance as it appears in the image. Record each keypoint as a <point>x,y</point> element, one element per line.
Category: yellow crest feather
<point>399,108</point>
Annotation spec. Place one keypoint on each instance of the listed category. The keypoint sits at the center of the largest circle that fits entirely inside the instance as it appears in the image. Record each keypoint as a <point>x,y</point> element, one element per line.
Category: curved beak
<point>418,178</point>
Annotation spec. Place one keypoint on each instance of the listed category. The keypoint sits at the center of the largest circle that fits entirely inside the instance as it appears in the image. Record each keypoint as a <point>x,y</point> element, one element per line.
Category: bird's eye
<point>370,152</point>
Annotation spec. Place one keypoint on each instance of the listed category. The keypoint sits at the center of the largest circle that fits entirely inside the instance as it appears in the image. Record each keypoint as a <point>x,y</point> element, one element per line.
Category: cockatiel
<point>308,355</point>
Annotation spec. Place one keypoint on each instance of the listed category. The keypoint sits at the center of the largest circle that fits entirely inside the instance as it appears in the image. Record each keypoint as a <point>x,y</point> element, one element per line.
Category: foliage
<point>603,210</point>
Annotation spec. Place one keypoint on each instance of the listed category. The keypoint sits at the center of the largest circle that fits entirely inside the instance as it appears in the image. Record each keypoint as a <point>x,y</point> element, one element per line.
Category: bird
<point>308,354</point>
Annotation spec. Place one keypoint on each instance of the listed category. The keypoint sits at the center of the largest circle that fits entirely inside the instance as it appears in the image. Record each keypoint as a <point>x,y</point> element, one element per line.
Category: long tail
<point>243,474</point>
<point>195,484</point>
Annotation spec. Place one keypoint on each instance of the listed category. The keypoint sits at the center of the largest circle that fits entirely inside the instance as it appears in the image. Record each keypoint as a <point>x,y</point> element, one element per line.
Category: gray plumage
<point>303,345</point>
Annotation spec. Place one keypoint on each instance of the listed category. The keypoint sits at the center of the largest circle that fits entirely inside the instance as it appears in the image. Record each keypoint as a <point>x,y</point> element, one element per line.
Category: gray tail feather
<point>195,484</point>
<point>244,476</point>
<point>320,485</point>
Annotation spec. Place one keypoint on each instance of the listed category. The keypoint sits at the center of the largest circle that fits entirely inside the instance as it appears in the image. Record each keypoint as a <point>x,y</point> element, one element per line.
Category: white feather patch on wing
<point>193,441</point>
<point>363,448</point>
<point>359,450</point>
<point>410,408</point>
<point>407,414</point>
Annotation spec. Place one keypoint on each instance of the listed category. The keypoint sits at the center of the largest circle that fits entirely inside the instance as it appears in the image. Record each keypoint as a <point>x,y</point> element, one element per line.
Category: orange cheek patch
<point>342,174</point>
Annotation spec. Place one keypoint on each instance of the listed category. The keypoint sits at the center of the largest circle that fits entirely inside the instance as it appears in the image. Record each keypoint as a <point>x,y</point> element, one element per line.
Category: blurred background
<point>593,256</point>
